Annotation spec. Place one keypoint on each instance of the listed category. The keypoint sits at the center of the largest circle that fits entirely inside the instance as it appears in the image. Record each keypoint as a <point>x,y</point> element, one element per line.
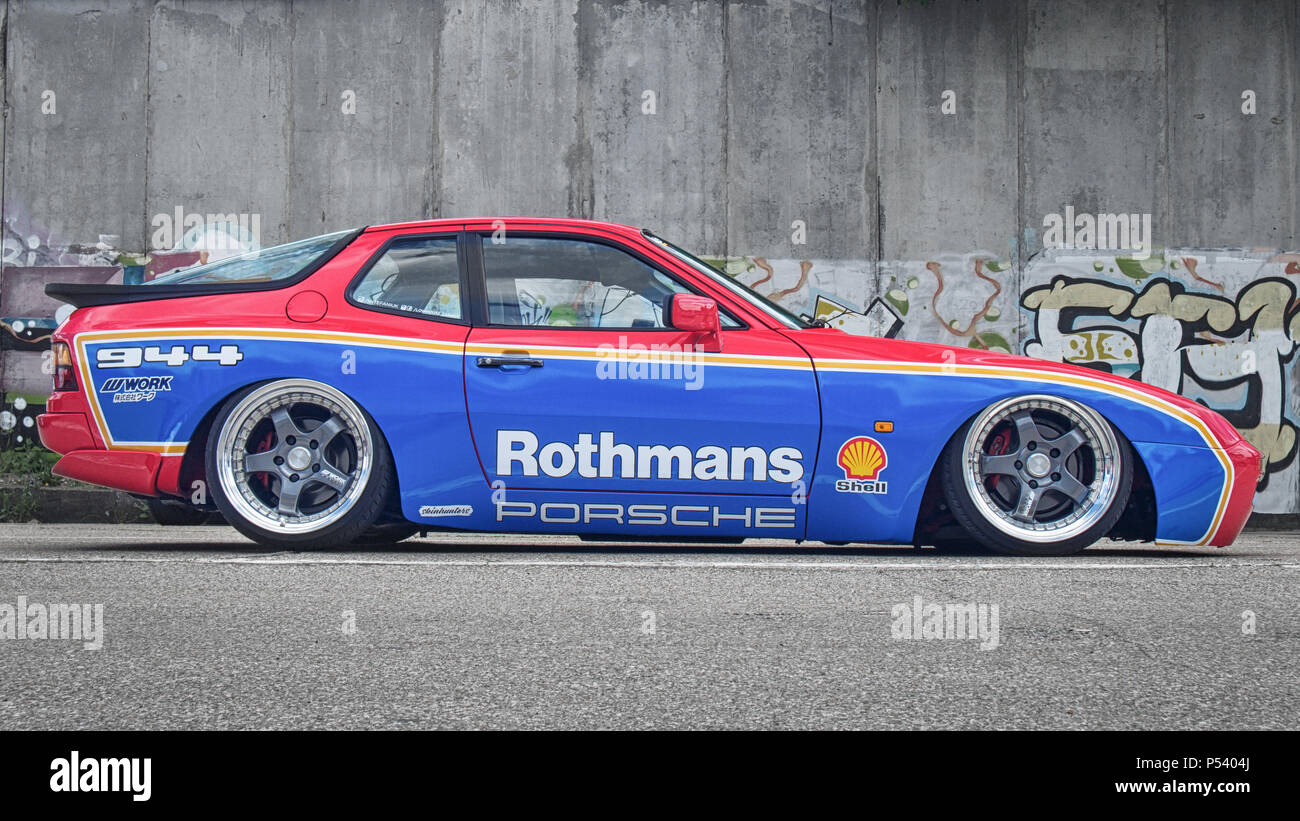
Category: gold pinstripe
<point>604,354</point>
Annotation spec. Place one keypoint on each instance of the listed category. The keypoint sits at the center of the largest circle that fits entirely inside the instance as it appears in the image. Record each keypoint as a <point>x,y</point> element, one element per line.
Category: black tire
<point>176,514</point>
<point>383,535</point>
<point>245,495</point>
<point>959,547</point>
<point>1101,467</point>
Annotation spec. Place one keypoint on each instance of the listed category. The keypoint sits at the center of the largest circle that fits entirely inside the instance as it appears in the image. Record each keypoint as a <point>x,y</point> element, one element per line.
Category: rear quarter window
<point>264,265</point>
<point>419,276</point>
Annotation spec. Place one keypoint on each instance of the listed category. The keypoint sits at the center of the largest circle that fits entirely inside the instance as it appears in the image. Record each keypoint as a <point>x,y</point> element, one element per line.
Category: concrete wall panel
<point>219,98</point>
<point>1232,174</point>
<point>657,118</point>
<point>508,128</point>
<point>75,128</point>
<point>800,92</point>
<point>363,114</point>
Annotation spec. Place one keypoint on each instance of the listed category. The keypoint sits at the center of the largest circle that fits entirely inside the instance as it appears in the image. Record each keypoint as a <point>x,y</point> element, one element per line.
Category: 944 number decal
<point>173,357</point>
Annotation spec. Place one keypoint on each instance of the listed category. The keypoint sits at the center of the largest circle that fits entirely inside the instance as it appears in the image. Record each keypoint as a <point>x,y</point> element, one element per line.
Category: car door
<point>575,382</point>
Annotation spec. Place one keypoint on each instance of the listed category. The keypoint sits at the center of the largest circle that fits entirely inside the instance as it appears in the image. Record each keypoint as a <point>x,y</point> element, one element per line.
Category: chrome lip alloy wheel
<point>1040,468</point>
<point>294,456</point>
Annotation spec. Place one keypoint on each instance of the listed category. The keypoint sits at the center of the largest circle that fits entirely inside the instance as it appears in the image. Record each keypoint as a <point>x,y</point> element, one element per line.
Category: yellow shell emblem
<point>862,458</point>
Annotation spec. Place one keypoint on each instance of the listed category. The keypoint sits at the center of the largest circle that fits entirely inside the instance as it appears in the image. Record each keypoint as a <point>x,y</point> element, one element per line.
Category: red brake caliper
<point>265,478</point>
<point>998,447</point>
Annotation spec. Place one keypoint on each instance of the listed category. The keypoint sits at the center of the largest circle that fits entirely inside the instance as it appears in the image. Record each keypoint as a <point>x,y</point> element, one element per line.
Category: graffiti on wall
<point>25,243</point>
<point>1221,328</point>
<point>957,299</point>
<point>32,256</point>
<point>18,414</point>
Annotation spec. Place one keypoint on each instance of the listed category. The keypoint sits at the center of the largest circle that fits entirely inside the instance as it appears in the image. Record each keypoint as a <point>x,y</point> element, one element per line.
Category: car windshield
<point>266,265</point>
<point>750,296</point>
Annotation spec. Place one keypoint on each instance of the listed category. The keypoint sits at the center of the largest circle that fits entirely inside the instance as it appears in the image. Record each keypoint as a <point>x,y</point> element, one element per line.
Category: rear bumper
<point>69,433</point>
<point>134,471</point>
<point>1241,497</point>
<point>65,432</point>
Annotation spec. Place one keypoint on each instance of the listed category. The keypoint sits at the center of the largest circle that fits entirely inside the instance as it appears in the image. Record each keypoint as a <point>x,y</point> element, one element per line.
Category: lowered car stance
<point>565,376</point>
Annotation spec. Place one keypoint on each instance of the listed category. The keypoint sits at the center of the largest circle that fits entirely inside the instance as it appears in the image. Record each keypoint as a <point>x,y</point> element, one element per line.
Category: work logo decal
<point>863,459</point>
<point>136,388</point>
<point>603,457</point>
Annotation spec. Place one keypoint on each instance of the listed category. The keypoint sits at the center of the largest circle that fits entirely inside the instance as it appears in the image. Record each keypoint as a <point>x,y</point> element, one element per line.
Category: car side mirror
<point>697,314</point>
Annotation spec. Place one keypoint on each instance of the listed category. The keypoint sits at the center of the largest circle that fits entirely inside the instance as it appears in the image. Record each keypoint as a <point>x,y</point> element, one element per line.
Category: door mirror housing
<point>697,314</point>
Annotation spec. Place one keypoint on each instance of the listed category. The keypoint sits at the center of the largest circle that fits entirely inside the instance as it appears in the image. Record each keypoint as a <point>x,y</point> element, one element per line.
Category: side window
<point>538,281</point>
<point>418,276</point>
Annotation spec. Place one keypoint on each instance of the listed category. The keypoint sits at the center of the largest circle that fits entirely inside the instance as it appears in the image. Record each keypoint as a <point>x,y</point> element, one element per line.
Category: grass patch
<point>24,470</point>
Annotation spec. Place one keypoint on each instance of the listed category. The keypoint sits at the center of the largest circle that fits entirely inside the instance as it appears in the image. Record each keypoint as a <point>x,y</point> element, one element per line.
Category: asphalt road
<point>201,630</point>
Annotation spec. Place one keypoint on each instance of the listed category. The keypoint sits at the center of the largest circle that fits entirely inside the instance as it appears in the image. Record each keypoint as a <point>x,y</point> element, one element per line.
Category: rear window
<point>266,265</point>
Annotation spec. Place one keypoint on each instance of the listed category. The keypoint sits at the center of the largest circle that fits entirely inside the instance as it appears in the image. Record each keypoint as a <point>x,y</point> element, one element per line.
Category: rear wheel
<point>1037,476</point>
<point>297,464</point>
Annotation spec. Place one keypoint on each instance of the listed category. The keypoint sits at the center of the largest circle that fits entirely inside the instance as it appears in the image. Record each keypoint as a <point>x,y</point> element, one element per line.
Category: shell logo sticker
<point>863,459</point>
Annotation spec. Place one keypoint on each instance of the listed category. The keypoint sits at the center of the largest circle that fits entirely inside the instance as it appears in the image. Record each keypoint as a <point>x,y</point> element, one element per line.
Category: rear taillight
<point>64,377</point>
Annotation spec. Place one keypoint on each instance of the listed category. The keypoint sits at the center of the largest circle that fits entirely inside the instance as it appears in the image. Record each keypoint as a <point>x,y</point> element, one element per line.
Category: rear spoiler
<point>84,295</point>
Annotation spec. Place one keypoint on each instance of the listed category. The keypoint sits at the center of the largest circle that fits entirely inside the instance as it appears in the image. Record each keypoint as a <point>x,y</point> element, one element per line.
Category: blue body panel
<point>415,397</point>
<point>1187,481</point>
<point>446,450</point>
<point>927,408</point>
<point>736,407</point>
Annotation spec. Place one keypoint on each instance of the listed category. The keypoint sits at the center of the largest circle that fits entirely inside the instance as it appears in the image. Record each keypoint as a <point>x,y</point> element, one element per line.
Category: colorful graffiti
<point>32,256</point>
<point>958,299</point>
<point>18,414</point>
<point>23,243</point>
<point>1222,328</point>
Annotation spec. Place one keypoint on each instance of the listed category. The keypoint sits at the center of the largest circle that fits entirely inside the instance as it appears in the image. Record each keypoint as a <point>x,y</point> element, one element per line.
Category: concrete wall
<point>895,158</point>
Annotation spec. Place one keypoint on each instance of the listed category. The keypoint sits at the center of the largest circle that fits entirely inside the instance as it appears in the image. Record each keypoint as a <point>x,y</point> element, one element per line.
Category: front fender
<point>927,402</point>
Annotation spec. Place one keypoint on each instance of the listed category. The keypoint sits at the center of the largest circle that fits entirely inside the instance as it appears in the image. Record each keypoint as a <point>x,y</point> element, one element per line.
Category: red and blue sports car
<point>565,376</point>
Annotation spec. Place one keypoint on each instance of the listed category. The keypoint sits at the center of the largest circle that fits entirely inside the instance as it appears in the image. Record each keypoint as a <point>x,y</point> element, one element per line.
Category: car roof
<point>556,222</point>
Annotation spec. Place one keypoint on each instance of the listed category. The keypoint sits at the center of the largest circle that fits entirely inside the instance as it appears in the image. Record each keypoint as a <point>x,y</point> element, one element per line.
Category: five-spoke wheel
<point>1037,475</point>
<point>296,462</point>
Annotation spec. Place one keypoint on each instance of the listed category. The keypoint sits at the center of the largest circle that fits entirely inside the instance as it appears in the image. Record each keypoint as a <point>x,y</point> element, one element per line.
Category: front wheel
<point>295,463</point>
<point>1037,476</point>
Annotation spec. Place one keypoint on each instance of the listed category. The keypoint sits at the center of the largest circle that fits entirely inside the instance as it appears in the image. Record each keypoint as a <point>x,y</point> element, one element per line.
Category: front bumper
<point>1241,496</point>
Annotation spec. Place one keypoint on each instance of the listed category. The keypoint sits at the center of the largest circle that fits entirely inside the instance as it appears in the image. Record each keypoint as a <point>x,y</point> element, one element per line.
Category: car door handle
<point>504,361</point>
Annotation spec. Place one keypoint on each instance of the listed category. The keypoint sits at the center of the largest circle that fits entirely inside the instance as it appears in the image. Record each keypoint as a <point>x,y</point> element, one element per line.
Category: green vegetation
<point>22,471</point>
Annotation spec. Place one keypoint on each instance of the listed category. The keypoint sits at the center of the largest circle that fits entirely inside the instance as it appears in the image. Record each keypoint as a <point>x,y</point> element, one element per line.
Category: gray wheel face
<point>1040,468</point>
<point>294,456</point>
